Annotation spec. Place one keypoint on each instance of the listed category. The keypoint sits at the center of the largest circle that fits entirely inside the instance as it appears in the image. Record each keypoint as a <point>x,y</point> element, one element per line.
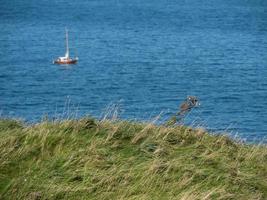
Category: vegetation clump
<point>91,159</point>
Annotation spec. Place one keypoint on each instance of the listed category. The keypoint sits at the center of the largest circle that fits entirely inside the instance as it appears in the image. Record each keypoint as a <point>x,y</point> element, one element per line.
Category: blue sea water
<point>144,55</point>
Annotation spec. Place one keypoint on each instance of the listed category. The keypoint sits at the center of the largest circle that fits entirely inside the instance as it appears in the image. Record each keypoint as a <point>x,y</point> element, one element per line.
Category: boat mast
<point>67,55</point>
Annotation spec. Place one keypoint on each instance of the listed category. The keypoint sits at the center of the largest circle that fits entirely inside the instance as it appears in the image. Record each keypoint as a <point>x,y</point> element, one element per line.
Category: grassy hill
<point>89,159</point>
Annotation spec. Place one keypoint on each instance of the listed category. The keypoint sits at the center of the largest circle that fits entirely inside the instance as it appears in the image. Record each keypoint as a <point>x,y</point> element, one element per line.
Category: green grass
<point>89,159</point>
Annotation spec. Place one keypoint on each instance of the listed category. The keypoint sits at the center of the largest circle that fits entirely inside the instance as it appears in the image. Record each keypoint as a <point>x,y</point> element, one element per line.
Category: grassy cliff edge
<point>90,159</point>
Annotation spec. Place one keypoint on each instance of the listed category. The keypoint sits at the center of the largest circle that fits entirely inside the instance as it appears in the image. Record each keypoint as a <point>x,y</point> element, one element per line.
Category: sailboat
<point>66,59</point>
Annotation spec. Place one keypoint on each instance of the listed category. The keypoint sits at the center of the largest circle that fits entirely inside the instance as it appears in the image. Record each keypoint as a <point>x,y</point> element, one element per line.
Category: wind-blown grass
<point>90,159</point>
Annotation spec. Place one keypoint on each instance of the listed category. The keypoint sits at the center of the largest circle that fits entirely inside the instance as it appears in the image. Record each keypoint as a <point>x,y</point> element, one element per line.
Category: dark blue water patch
<point>146,55</point>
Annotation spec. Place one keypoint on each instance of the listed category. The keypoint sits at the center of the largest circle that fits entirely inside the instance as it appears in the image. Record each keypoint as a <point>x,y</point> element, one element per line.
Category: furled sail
<point>67,54</point>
